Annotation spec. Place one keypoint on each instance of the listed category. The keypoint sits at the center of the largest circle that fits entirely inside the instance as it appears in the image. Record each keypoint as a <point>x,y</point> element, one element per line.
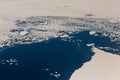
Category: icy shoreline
<point>103,66</point>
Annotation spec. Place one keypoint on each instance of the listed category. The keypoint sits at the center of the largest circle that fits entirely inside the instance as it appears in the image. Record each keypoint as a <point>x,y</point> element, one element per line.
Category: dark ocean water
<point>55,59</point>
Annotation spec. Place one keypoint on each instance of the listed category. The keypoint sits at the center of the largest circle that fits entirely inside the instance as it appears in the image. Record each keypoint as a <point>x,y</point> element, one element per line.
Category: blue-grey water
<point>54,59</point>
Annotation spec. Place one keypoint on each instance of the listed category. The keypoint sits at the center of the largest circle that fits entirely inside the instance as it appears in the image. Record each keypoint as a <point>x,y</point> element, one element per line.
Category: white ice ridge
<point>41,28</point>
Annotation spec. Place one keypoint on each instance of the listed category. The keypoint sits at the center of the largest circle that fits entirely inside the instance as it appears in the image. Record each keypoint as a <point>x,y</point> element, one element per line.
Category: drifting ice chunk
<point>90,44</point>
<point>92,32</point>
<point>64,36</point>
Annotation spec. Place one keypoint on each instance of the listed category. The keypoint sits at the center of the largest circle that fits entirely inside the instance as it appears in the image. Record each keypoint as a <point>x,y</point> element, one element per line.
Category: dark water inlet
<point>55,59</point>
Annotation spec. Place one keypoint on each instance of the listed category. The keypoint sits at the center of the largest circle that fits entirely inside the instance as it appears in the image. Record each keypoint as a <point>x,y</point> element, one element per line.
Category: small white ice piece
<point>23,33</point>
<point>90,44</point>
<point>64,36</point>
<point>92,32</point>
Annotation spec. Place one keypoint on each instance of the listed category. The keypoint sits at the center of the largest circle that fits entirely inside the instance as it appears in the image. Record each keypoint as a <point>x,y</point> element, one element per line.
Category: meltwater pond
<point>55,59</point>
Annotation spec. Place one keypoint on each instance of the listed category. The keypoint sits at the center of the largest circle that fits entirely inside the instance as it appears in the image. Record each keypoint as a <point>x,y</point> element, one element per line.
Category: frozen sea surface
<point>52,48</point>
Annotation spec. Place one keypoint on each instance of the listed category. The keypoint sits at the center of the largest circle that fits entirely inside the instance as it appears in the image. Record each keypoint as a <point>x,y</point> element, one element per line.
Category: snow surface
<point>73,8</point>
<point>103,66</point>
